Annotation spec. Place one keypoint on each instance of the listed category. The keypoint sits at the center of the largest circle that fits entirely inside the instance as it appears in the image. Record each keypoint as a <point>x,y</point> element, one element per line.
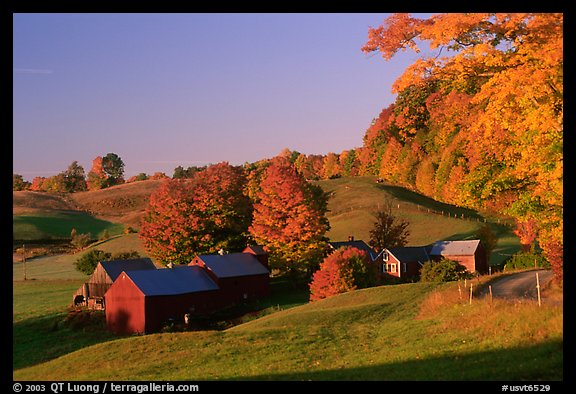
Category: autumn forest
<point>477,122</point>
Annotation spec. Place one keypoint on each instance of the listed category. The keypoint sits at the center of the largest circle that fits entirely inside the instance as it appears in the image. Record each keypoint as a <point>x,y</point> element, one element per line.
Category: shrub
<point>445,270</point>
<point>344,270</point>
<point>80,241</point>
<point>89,260</point>
<point>527,260</point>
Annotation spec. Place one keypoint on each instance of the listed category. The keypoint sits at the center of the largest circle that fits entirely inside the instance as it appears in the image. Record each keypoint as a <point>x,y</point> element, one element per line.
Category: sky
<point>166,90</point>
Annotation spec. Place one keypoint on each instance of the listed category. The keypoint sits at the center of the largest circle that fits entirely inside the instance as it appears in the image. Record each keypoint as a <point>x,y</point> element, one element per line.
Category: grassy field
<point>59,224</point>
<point>354,201</point>
<point>62,266</point>
<point>402,332</point>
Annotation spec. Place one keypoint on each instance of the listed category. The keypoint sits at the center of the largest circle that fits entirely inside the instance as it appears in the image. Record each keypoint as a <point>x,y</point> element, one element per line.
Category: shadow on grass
<point>60,225</point>
<point>40,339</point>
<point>427,202</point>
<point>543,361</point>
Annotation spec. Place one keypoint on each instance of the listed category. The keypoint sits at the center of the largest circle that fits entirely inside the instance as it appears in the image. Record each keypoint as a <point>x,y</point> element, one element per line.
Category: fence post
<point>471,285</point>
<point>538,288</point>
<point>490,289</point>
<point>459,292</point>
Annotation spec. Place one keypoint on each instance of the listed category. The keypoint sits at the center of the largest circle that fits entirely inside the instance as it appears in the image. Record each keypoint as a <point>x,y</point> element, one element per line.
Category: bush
<point>80,241</point>
<point>527,260</point>
<point>344,270</point>
<point>445,270</point>
<point>89,260</point>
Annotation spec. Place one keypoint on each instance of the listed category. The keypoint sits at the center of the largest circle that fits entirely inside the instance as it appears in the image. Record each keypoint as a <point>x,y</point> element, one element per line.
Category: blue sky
<point>162,90</point>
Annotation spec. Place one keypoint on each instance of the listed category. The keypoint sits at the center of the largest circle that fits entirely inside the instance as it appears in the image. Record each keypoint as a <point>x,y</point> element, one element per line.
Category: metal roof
<point>410,253</point>
<point>257,249</point>
<point>233,264</point>
<point>114,267</point>
<point>355,244</point>
<point>455,248</point>
<point>172,281</point>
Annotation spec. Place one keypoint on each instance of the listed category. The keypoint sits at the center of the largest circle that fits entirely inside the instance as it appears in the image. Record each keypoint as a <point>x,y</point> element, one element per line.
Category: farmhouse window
<point>391,267</point>
<point>404,267</point>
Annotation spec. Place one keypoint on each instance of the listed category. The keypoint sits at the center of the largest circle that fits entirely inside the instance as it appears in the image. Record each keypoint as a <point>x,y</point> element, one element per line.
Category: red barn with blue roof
<point>241,276</point>
<point>141,301</point>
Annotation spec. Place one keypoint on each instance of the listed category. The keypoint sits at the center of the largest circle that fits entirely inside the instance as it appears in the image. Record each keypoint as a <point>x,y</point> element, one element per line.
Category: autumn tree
<point>96,176</point>
<point>202,215</point>
<point>343,270</point>
<point>74,178</point>
<point>289,218</point>
<point>489,96</point>
<point>388,231</point>
<point>18,183</point>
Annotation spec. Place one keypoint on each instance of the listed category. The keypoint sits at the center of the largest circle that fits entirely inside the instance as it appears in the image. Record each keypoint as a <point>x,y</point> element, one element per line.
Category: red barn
<point>142,301</point>
<point>471,254</point>
<point>240,276</point>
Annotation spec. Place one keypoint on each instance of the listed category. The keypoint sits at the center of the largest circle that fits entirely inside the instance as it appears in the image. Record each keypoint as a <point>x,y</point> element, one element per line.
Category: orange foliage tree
<point>289,218</point>
<point>488,94</point>
<point>202,215</point>
<point>343,270</point>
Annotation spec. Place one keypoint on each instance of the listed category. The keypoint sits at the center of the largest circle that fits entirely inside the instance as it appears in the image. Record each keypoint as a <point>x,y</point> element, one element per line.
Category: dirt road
<point>520,285</point>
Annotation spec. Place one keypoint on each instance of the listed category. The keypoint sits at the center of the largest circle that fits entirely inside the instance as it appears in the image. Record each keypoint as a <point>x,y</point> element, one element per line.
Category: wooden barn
<point>241,277</point>
<point>471,254</point>
<point>404,262</point>
<point>143,301</point>
<point>91,293</point>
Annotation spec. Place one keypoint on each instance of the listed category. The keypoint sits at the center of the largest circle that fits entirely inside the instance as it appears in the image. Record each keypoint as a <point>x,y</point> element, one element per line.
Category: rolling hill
<point>400,332</point>
<point>352,204</point>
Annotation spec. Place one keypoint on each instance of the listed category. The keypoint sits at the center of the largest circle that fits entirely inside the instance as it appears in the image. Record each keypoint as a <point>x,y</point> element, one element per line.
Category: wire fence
<point>413,208</point>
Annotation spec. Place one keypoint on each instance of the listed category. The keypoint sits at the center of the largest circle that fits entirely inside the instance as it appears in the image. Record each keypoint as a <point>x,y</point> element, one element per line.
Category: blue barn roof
<point>233,264</point>
<point>114,267</point>
<point>172,281</point>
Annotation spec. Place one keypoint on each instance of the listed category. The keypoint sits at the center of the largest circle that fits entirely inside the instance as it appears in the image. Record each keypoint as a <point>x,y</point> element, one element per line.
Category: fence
<point>407,207</point>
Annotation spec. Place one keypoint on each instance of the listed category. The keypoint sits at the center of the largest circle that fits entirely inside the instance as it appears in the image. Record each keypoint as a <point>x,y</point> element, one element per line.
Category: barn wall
<point>125,307</point>
<point>467,261</point>
<point>99,282</point>
<point>159,309</point>
<point>243,288</point>
<point>481,260</point>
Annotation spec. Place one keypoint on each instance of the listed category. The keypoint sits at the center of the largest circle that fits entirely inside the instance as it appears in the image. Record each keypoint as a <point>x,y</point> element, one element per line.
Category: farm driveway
<point>520,285</point>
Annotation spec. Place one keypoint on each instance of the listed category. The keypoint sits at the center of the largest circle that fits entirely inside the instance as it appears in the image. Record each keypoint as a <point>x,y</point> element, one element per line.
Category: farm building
<point>361,245</point>
<point>240,276</point>
<point>142,301</point>
<point>91,293</point>
<point>405,261</point>
<point>471,254</point>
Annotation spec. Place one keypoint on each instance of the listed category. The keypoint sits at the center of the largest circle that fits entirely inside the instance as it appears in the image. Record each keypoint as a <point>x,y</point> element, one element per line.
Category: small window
<point>383,268</point>
<point>385,256</point>
<point>404,267</point>
<point>391,267</point>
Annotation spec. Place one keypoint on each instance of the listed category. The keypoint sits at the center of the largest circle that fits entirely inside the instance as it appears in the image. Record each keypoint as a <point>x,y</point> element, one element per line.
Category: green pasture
<point>59,224</point>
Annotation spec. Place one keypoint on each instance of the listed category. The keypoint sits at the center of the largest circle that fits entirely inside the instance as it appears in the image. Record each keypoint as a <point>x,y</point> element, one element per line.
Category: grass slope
<point>62,266</point>
<point>381,333</point>
<point>354,200</point>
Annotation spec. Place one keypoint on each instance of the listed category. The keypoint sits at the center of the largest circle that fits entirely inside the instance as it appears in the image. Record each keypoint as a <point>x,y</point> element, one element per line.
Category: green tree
<point>18,183</point>
<point>89,260</point>
<point>74,178</point>
<point>388,231</point>
<point>445,270</point>
<point>113,167</point>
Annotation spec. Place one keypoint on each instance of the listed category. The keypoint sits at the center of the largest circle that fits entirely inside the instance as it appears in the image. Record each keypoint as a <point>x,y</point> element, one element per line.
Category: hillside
<point>120,204</point>
<point>353,202</point>
<point>400,332</point>
<point>351,206</point>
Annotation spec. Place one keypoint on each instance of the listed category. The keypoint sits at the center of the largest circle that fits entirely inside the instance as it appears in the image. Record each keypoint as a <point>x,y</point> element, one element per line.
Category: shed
<point>91,293</point>
<point>471,254</point>
<point>240,276</point>
<point>142,301</point>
